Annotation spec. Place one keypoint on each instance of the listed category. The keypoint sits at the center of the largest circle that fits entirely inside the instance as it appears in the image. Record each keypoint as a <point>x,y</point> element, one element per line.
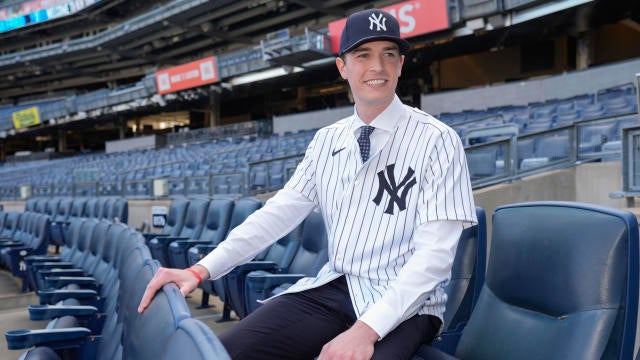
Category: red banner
<point>416,17</point>
<point>185,76</point>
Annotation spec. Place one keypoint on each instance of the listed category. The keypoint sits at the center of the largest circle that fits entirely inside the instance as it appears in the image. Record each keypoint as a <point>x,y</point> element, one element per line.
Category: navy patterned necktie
<point>363,141</point>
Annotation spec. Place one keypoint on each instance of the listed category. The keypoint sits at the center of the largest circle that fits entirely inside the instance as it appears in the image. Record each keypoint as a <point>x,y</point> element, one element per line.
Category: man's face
<point>372,70</point>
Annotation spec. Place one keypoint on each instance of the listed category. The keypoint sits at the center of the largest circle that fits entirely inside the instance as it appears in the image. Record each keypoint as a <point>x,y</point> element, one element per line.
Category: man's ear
<point>340,64</point>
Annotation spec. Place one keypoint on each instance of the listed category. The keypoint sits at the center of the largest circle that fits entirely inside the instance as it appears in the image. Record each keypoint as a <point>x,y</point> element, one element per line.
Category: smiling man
<point>392,185</point>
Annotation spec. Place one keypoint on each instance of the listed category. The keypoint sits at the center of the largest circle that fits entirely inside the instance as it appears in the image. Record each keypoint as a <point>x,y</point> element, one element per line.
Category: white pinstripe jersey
<point>371,210</point>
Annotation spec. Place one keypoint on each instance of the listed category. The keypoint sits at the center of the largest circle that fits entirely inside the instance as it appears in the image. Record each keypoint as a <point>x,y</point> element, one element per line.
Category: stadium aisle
<point>13,311</point>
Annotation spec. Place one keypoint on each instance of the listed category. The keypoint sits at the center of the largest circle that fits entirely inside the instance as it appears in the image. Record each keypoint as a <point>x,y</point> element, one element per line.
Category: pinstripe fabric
<point>418,175</point>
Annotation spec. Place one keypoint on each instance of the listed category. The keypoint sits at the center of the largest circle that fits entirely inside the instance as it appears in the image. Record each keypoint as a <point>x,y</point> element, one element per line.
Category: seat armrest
<point>47,312</point>
<point>269,266</point>
<point>38,266</point>
<point>149,236</point>
<point>189,243</point>
<point>448,341</point>
<point>32,259</point>
<point>21,339</point>
<point>164,240</point>
<point>205,249</point>
<point>11,244</point>
<point>56,282</point>
<point>61,272</point>
<point>270,281</point>
<point>53,296</point>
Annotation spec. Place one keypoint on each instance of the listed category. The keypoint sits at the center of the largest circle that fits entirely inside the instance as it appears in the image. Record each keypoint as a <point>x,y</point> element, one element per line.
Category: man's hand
<point>357,343</point>
<point>186,281</point>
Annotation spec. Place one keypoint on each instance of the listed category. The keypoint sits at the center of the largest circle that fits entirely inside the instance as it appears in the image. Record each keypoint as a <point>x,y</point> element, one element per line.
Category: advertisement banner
<point>185,76</point>
<point>25,118</point>
<point>416,17</point>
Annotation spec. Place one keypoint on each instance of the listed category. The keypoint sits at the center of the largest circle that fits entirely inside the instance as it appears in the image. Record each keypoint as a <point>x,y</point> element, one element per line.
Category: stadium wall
<point>564,86</point>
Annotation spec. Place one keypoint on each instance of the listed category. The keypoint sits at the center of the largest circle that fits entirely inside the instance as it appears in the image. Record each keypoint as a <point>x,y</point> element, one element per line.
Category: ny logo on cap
<point>380,22</point>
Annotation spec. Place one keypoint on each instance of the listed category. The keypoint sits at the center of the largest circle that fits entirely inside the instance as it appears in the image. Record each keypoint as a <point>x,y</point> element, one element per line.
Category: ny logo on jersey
<point>397,192</point>
<point>380,22</point>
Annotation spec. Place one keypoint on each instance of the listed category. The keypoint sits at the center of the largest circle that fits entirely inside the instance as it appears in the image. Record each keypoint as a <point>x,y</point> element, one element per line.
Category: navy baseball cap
<point>370,25</point>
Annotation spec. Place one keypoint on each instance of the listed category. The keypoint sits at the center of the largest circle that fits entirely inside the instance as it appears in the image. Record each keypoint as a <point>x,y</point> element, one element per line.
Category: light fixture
<point>263,75</point>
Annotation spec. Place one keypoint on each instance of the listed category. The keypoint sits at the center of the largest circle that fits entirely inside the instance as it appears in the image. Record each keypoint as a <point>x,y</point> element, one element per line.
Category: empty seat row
<point>61,209</point>
<point>90,295</point>
<point>23,234</point>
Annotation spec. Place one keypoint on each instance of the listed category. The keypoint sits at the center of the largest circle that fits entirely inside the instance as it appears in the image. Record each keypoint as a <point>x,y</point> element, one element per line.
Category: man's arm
<point>280,215</point>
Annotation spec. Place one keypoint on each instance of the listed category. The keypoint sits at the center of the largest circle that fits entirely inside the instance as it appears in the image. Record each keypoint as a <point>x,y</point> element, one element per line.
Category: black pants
<point>296,326</point>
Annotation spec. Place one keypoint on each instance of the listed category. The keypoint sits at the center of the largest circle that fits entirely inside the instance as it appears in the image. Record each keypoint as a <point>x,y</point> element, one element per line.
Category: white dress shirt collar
<point>387,120</point>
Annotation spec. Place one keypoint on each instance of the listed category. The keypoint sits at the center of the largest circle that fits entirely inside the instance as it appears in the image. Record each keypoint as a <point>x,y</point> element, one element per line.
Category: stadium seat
<point>311,255</point>
<point>174,220</point>
<point>33,240</point>
<point>276,259</point>
<point>60,222</point>
<point>191,229</point>
<point>216,225</point>
<point>565,290</point>
<point>119,211</point>
<point>241,210</point>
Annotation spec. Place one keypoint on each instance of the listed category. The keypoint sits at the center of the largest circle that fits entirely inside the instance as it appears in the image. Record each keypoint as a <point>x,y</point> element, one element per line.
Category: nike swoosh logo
<point>335,152</point>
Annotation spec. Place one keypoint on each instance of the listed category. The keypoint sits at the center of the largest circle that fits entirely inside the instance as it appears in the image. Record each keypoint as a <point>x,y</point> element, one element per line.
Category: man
<point>393,187</point>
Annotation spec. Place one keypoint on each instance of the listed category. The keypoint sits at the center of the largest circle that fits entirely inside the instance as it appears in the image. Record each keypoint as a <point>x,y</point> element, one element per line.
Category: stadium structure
<point>124,119</point>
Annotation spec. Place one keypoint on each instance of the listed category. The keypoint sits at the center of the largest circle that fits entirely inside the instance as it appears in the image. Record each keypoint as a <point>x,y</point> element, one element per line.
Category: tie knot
<point>366,130</point>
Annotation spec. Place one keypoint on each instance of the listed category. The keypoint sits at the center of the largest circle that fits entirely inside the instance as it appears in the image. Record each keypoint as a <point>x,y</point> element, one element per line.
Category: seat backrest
<point>30,204</point>
<point>158,323</point>
<point>467,273</point>
<point>312,253</point>
<point>194,219</point>
<point>561,282</point>
<point>51,207</point>
<point>41,206</point>
<point>11,224</point>
<point>282,251</point>
<point>241,211</point>
<point>120,210</point>
<point>104,210</point>
<point>91,208</point>
<point>64,210</point>
<point>77,208</point>
<point>216,223</point>
<point>175,217</point>
<point>194,340</point>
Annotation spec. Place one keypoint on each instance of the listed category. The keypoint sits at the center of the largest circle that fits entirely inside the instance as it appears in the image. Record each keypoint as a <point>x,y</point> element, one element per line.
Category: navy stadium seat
<point>561,283</point>
<point>241,210</point>
<point>216,225</point>
<point>191,228</point>
<point>311,255</point>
